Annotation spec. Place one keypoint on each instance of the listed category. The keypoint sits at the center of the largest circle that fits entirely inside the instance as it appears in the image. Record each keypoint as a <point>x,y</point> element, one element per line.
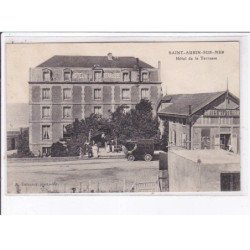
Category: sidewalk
<point>102,155</point>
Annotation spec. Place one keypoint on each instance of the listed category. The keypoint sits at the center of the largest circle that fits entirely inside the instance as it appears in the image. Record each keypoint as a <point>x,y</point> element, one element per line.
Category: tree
<point>139,123</point>
<point>82,131</point>
<point>23,149</point>
<point>58,150</point>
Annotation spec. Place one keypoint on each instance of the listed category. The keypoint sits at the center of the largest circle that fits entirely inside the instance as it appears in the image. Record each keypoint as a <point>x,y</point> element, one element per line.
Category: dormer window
<point>125,76</point>
<point>67,75</point>
<point>47,75</point>
<point>98,76</point>
<point>110,56</point>
<point>144,76</point>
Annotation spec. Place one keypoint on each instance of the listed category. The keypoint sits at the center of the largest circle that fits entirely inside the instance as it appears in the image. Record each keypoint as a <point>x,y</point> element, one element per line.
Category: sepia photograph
<point>122,117</point>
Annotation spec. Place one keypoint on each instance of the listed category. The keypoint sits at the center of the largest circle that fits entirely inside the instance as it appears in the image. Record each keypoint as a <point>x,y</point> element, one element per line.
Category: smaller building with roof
<point>201,120</point>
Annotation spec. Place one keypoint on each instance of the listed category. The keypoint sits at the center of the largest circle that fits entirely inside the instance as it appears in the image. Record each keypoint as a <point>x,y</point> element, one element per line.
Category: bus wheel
<point>148,157</point>
<point>131,158</point>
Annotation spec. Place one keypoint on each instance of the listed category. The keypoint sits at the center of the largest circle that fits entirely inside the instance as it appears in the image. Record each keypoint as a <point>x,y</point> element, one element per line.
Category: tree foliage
<point>23,149</point>
<point>58,150</point>
<point>138,123</point>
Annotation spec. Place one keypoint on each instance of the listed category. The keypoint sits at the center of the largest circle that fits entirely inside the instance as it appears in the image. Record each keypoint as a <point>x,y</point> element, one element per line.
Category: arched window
<point>47,75</point>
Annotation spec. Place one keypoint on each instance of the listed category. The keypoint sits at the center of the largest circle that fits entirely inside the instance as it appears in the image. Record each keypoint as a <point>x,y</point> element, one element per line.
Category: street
<point>80,176</point>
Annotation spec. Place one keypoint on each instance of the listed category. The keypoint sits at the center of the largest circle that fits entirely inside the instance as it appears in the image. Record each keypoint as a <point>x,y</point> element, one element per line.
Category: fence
<point>101,186</point>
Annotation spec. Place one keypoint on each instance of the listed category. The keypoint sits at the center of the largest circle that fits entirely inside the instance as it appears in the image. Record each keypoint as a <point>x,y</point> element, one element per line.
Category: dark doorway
<point>46,151</point>
<point>230,181</point>
<point>224,141</point>
<point>205,138</point>
<point>13,143</point>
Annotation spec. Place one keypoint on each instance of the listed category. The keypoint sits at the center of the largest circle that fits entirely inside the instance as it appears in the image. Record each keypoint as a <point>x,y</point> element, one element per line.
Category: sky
<point>177,76</point>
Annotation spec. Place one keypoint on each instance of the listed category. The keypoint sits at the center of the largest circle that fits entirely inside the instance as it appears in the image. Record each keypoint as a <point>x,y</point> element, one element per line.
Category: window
<point>97,94</point>
<point>46,132</point>
<point>236,120</point>
<point>46,151</point>
<point>67,94</point>
<point>184,140</point>
<point>45,112</point>
<point>125,77</point>
<point>230,181</point>
<point>46,75</point>
<point>97,76</point>
<point>46,94</point>
<point>206,120</point>
<point>144,93</point>
<point>97,110</point>
<point>144,76</point>
<point>125,94</point>
<point>126,109</point>
<point>174,137</point>
<point>225,120</point>
<point>66,112</point>
<point>67,75</point>
<point>66,134</point>
<point>214,120</point>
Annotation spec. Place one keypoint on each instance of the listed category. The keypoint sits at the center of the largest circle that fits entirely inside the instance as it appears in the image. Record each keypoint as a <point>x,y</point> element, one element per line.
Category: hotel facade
<point>65,88</point>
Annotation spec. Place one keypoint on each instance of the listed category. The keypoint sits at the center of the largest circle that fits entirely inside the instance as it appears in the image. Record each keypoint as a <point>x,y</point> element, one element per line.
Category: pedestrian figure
<point>107,147</point>
<point>112,146</point>
<point>89,151</point>
<point>230,148</point>
<point>124,150</point>
<point>84,151</point>
<point>80,153</point>
<point>95,151</point>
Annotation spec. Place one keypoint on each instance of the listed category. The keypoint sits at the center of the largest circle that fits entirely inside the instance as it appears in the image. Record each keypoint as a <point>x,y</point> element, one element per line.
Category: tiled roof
<point>90,61</point>
<point>179,104</point>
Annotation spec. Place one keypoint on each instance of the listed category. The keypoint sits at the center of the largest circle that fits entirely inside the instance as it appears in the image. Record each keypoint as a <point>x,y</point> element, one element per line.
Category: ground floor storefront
<point>214,137</point>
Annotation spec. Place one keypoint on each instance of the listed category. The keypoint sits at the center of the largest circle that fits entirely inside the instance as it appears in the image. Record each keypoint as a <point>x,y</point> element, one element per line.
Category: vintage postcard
<point>122,117</point>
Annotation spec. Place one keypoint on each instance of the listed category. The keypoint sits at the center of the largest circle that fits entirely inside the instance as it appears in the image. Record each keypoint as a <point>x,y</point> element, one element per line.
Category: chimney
<point>189,109</point>
<point>139,69</point>
<point>110,56</point>
<point>159,71</point>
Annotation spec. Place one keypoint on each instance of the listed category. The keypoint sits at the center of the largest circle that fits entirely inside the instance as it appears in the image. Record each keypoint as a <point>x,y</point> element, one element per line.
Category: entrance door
<point>205,138</point>
<point>230,181</point>
<point>224,141</point>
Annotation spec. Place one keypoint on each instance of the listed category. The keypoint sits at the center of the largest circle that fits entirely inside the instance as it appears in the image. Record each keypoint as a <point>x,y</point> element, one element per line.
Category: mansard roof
<point>94,61</point>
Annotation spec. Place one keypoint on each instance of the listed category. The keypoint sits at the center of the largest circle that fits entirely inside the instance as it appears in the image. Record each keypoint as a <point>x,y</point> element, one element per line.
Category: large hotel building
<point>64,88</point>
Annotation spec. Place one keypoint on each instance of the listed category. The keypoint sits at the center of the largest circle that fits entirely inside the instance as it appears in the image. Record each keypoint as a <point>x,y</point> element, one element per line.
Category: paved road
<point>85,164</point>
<point>105,173</point>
